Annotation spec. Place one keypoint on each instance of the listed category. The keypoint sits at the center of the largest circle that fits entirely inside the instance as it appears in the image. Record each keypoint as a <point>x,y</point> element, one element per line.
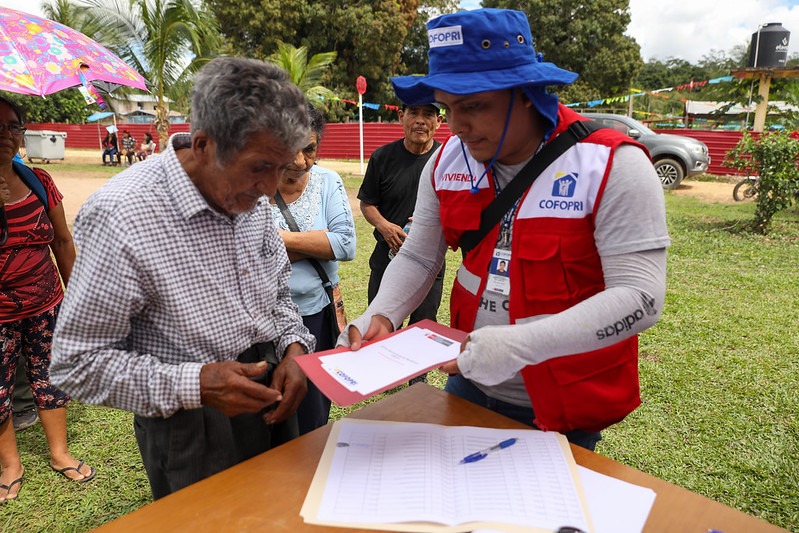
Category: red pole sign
<point>360,84</point>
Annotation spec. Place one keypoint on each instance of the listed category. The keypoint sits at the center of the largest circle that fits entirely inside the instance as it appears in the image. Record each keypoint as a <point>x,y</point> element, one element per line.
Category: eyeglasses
<point>14,128</point>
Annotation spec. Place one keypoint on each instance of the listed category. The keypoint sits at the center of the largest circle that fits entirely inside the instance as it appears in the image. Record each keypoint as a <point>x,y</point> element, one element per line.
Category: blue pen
<point>482,454</point>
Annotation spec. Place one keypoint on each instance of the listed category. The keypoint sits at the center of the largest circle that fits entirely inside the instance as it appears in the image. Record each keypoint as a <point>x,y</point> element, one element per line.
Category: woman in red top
<point>30,294</point>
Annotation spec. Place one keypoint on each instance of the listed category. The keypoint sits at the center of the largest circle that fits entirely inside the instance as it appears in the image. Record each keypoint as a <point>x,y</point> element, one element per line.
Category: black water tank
<point>769,47</point>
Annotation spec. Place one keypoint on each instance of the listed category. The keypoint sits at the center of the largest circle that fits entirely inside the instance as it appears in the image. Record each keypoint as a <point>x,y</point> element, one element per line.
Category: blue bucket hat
<point>478,51</point>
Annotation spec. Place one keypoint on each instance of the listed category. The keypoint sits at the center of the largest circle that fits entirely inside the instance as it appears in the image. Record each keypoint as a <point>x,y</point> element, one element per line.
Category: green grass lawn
<point>719,375</point>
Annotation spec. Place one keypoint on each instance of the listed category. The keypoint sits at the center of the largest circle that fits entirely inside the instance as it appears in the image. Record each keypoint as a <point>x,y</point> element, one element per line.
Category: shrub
<point>772,156</point>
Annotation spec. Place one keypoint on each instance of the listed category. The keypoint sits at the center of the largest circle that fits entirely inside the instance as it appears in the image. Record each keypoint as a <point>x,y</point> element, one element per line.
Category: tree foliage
<point>66,106</point>
<point>672,72</point>
<point>586,38</point>
<point>307,74</point>
<point>69,14</point>
<point>413,59</point>
<point>368,36</point>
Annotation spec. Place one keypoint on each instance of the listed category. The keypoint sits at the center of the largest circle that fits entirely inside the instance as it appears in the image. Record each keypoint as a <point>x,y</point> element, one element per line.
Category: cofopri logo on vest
<point>563,187</point>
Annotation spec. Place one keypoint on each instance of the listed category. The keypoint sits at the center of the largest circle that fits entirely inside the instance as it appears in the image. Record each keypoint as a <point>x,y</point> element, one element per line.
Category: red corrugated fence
<point>341,141</point>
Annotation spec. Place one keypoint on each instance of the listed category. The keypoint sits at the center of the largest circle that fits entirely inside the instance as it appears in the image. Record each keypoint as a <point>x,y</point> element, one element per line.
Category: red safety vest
<point>554,265</point>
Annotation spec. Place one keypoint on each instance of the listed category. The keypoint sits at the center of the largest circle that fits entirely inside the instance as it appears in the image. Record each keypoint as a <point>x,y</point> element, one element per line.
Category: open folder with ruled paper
<point>409,477</point>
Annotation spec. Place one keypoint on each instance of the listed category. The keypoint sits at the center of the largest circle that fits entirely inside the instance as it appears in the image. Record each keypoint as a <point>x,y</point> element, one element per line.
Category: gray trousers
<point>194,444</point>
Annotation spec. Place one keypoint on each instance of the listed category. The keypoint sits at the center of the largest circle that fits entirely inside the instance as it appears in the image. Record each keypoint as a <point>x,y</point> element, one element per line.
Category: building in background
<point>140,109</point>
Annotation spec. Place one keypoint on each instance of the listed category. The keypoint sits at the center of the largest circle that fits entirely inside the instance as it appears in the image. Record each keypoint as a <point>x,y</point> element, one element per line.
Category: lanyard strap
<point>492,214</point>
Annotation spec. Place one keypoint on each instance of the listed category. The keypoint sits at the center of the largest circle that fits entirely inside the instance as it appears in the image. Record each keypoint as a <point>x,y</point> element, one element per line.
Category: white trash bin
<point>44,145</point>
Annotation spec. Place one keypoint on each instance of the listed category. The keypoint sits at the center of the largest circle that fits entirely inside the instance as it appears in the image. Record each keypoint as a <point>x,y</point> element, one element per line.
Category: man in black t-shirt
<point>388,196</point>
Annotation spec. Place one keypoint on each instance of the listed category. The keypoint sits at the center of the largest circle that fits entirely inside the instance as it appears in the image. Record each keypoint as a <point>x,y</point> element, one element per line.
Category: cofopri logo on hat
<point>450,36</point>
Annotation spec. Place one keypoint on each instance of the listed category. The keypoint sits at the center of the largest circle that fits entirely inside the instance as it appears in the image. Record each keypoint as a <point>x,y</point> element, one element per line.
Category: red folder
<point>344,397</point>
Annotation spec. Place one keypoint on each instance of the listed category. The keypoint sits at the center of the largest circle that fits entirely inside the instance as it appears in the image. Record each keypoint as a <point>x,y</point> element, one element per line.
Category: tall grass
<point>719,375</point>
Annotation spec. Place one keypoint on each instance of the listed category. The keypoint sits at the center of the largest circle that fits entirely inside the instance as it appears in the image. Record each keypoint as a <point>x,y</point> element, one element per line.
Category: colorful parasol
<point>40,57</point>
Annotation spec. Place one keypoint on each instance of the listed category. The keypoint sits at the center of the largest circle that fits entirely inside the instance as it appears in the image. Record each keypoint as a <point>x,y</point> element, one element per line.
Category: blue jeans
<point>463,388</point>
<point>111,153</point>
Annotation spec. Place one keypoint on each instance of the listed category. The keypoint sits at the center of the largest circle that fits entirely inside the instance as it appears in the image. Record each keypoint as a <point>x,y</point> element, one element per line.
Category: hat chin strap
<point>475,186</point>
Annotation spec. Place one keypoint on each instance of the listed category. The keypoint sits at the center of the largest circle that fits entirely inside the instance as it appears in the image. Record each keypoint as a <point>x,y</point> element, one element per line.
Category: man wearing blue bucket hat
<point>581,227</point>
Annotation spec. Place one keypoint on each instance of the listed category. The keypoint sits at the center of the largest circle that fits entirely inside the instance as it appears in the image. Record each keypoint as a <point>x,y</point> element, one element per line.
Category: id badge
<point>499,273</point>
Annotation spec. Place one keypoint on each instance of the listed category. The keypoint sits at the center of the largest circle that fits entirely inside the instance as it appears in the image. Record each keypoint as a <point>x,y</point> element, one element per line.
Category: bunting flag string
<point>368,105</point>
<point>691,85</point>
<point>638,92</point>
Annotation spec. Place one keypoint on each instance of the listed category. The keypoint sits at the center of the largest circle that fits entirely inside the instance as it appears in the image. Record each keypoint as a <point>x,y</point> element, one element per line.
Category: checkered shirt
<point>164,284</point>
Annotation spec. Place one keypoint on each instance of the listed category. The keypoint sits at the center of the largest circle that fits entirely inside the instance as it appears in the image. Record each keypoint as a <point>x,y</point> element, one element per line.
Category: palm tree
<point>306,74</point>
<point>68,14</point>
<point>167,41</point>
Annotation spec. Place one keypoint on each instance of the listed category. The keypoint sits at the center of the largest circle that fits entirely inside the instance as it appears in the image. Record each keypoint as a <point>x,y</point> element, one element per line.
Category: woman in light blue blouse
<point>317,201</point>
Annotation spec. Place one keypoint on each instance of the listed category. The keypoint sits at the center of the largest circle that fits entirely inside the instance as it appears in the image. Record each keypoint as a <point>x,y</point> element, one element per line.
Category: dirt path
<point>707,191</point>
<point>78,185</point>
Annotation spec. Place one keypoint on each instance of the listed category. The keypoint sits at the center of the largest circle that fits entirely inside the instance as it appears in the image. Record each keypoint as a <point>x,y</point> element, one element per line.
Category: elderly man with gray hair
<point>179,307</point>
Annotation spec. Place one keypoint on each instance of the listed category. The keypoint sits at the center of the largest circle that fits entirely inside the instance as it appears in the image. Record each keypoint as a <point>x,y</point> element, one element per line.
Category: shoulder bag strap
<point>32,181</point>
<point>284,210</point>
<point>492,214</point>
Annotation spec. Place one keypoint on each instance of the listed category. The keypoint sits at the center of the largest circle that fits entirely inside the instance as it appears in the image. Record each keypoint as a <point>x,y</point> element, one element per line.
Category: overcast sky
<point>685,29</point>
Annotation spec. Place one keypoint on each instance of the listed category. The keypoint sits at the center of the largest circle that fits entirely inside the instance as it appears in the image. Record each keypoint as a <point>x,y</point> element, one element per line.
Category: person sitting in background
<point>316,200</point>
<point>128,147</point>
<point>29,303</point>
<point>146,148</point>
<point>110,149</point>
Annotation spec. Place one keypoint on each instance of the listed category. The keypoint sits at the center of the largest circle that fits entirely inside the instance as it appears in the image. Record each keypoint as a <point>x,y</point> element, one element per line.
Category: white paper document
<point>376,365</point>
<point>615,506</point>
<point>410,473</point>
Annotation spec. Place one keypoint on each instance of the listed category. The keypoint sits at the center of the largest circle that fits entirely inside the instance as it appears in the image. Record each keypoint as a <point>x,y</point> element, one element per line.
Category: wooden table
<point>267,492</point>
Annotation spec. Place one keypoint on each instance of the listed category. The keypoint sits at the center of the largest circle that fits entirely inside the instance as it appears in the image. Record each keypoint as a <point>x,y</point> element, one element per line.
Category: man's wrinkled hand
<point>289,379</point>
<point>228,387</point>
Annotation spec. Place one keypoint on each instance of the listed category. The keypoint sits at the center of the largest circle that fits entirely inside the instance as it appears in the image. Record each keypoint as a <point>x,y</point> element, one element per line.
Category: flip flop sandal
<point>63,472</point>
<point>8,488</point>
